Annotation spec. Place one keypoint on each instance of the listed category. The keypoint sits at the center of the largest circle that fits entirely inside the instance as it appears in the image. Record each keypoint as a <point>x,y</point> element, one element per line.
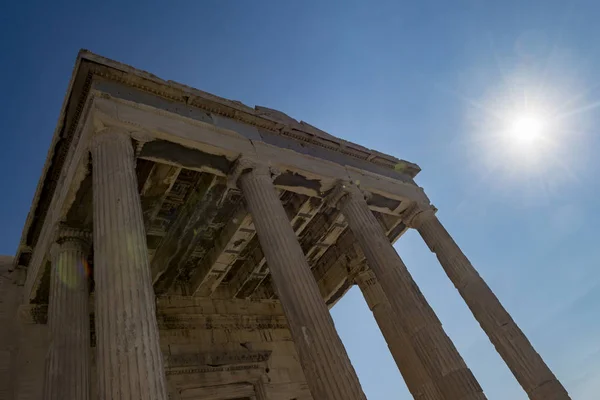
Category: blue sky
<point>438,83</point>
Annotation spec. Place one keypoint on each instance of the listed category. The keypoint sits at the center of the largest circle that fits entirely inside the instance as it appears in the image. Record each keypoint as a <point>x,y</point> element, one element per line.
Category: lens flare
<point>70,275</point>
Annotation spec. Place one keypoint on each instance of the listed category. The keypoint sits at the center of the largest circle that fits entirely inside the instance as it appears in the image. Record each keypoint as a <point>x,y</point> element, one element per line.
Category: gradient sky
<point>439,84</point>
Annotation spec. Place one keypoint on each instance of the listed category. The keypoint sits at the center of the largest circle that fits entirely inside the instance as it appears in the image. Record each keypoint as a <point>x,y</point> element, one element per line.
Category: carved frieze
<point>216,359</point>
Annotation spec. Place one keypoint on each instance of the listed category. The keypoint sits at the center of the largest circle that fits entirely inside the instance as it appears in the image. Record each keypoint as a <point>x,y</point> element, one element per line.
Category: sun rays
<point>524,134</point>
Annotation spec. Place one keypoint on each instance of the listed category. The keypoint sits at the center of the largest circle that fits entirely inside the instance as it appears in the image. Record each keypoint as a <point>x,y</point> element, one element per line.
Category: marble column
<point>68,362</point>
<point>513,346</point>
<point>420,324</point>
<point>415,375</point>
<point>129,359</point>
<point>328,370</point>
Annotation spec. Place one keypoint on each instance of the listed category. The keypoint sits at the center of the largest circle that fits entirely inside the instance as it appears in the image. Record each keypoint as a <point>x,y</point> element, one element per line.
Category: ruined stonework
<point>9,302</point>
<point>215,347</point>
<point>184,246</point>
<point>23,341</point>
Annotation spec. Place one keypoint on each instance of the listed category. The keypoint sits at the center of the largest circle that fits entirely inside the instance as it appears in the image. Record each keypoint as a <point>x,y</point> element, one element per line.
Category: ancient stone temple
<point>185,246</point>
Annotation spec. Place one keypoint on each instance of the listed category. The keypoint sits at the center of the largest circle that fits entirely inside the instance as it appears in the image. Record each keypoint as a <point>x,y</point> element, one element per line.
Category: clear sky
<point>496,101</point>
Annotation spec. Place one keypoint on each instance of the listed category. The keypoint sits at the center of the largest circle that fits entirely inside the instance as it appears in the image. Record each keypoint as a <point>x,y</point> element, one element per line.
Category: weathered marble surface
<point>328,370</point>
<point>160,194</point>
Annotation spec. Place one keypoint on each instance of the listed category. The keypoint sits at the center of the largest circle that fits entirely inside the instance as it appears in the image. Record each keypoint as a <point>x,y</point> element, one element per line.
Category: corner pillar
<point>418,381</point>
<point>526,364</point>
<point>68,362</point>
<point>129,359</point>
<point>420,324</point>
<point>328,370</point>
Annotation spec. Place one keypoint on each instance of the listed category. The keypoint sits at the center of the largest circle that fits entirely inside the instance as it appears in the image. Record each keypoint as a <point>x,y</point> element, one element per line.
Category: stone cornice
<point>261,117</point>
<point>81,79</point>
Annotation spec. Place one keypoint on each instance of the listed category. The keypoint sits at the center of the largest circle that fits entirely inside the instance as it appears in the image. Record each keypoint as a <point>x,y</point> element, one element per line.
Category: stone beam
<point>300,222</point>
<point>325,227</point>
<point>340,264</point>
<point>207,147</point>
<point>182,238</point>
<point>252,268</point>
<point>301,211</point>
<point>155,189</point>
<point>232,240</point>
<point>334,226</point>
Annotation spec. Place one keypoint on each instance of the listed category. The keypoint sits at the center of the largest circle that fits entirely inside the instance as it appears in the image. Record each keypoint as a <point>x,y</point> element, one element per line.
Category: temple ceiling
<point>202,242</point>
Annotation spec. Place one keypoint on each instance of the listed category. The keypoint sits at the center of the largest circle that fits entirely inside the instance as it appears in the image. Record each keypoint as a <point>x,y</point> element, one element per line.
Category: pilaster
<point>416,318</point>
<point>526,364</point>
<point>328,370</point>
<point>68,361</point>
<point>129,360</point>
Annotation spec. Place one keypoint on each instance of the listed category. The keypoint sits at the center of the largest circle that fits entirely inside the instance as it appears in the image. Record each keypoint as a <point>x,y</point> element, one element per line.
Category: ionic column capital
<point>244,165</point>
<point>110,134</point>
<point>344,191</point>
<point>66,236</point>
<point>417,213</point>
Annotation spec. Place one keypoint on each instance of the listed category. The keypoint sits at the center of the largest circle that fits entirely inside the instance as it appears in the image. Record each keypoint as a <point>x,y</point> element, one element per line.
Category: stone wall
<point>213,349</point>
<point>226,349</point>
<point>8,307</point>
<point>23,345</point>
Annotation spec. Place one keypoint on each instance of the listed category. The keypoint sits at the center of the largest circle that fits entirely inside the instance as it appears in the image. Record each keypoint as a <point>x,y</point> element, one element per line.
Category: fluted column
<point>415,375</point>
<point>328,370</point>
<point>513,346</point>
<point>129,360</point>
<point>422,327</point>
<point>68,362</point>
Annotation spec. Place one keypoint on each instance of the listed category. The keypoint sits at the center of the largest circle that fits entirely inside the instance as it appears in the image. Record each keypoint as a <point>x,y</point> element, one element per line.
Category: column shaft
<point>415,375</point>
<point>513,346</point>
<point>129,359</point>
<point>328,370</point>
<point>422,327</point>
<point>68,362</point>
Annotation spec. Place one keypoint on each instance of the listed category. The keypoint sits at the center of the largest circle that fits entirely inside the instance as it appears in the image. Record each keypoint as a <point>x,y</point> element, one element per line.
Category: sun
<point>519,138</point>
<point>526,131</point>
<point>527,134</point>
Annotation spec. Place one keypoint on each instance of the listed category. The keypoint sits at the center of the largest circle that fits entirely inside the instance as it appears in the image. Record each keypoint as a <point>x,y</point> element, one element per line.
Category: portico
<point>221,236</point>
